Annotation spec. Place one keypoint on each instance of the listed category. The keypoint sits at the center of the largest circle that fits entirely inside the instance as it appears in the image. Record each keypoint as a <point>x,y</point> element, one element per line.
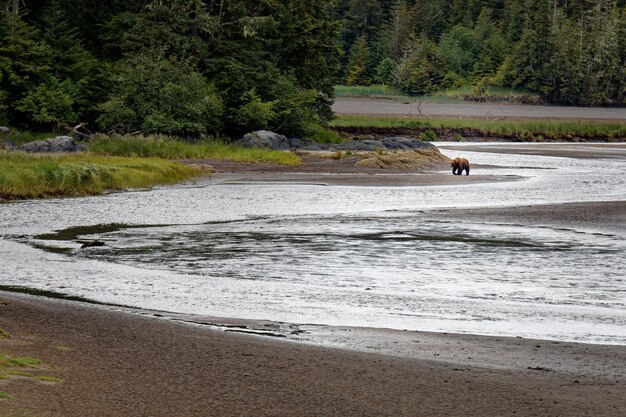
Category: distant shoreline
<point>373,106</point>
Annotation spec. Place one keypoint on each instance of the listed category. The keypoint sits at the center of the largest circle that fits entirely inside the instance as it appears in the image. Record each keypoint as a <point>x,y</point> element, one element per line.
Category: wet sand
<point>330,172</point>
<point>563,150</point>
<point>116,363</point>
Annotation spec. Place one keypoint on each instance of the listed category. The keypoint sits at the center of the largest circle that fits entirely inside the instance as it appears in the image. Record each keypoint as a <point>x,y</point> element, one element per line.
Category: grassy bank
<point>512,129</point>
<point>168,148</point>
<point>37,176</point>
<point>487,94</point>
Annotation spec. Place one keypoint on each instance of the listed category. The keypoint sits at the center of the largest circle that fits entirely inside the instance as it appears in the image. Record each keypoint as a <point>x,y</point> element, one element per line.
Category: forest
<point>571,52</point>
<point>224,67</point>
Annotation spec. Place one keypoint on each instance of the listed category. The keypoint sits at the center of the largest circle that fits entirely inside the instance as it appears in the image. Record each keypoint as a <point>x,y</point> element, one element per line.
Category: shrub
<point>428,136</point>
<point>157,95</point>
<point>49,103</point>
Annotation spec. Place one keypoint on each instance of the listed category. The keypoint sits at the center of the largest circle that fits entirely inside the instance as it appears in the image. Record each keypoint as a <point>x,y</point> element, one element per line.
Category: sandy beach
<point>117,361</point>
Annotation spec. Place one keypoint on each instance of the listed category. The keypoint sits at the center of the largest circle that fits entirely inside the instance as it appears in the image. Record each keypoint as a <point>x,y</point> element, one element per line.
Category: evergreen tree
<point>386,71</point>
<point>533,50</point>
<point>564,80</point>
<point>397,29</point>
<point>24,64</point>
<point>513,21</point>
<point>433,17</point>
<point>492,47</point>
<point>359,65</point>
<point>72,63</point>
<point>460,49</point>
<point>364,17</point>
<point>422,69</point>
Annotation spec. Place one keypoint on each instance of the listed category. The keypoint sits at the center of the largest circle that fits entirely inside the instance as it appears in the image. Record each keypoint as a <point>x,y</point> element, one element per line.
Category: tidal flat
<point>347,255</point>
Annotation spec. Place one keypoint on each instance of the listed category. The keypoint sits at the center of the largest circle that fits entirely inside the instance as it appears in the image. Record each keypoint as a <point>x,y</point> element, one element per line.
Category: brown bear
<point>459,165</point>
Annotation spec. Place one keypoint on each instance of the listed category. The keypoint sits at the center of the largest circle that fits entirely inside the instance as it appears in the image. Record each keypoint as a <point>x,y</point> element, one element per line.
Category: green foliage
<point>363,18</point>
<point>322,135</point>
<point>49,103</point>
<point>428,136</point>
<point>570,52</point>
<point>386,71</point>
<point>156,95</point>
<point>422,70</point>
<point>255,114</point>
<point>359,65</point>
<point>460,48</point>
<point>183,67</point>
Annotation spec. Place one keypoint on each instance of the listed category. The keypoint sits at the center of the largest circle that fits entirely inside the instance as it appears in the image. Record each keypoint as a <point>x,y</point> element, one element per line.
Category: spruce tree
<point>359,65</point>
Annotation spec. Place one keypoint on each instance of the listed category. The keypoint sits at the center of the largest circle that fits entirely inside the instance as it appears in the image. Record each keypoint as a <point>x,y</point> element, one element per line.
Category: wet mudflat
<point>351,256</point>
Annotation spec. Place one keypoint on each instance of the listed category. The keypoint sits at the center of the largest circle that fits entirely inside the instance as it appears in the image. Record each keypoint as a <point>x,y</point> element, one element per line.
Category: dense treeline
<point>194,67</point>
<point>568,51</point>
<point>188,67</point>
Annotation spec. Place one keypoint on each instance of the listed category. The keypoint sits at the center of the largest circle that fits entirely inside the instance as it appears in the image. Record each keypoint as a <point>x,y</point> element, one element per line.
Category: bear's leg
<point>466,170</point>
<point>453,170</point>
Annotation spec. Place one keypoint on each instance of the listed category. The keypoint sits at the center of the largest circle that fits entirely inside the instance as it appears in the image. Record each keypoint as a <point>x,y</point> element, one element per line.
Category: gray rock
<point>8,144</point>
<point>387,144</point>
<point>298,143</point>
<point>58,144</point>
<point>405,143</point>
<point>317,147</point>
<point>367,145</point>
<point>265,139</point>
<point>5,130</point>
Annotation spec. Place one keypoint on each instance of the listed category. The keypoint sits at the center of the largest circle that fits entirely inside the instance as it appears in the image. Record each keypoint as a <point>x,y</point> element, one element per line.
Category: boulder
<point>405,143</point>
<point>4,130</point>
<point>265,139</point>
<point>298,143</point>
<point>58,144</point>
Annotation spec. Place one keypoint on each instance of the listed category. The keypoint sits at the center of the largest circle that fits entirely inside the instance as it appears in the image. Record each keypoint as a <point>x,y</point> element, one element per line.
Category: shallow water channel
<point>361,256</point>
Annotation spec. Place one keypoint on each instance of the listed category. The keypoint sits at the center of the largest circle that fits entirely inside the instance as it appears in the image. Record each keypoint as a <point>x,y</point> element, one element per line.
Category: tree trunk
<point>16,6</point>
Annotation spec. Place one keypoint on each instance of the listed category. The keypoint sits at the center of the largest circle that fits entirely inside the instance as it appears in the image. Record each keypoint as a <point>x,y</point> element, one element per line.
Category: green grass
<point>322,135</point>
<point>5,396</point>
<point>22,367</point>
<point>37,176</point>
<point>168,148</point>
<point>25,374</point>
<point>21,362</point>
<point>549,129</point>
<point>373,91</point>
<point>490,94</point>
